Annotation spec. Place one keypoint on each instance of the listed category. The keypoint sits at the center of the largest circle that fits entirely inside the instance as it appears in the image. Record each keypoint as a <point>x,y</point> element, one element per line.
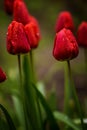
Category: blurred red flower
<point>64,20</point>
<point>82,34</point>
<point>8,5</point>
<point>2,75</point>
<point>33,34</point>
<point>20,12</point>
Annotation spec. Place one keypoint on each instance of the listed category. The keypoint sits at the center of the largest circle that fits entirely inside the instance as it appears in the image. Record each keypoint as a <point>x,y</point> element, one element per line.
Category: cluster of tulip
<point>23,35</point>
<point>66,47</point>
<point>23,32</point>
<point>66,44</point>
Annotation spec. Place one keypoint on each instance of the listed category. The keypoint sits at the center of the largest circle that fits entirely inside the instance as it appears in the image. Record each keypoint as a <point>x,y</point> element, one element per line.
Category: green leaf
<point>19,109</point>
<point>31,100</point>
<point>3,124</point>
<point>50,116</point>
<point>8,118</point>
<point>62,117</point>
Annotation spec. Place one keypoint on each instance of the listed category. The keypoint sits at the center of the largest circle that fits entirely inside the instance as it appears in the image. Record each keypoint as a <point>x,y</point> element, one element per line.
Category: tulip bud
<point>82,34</point>
<point>65,45</point>
<point>33,34</point>
<point>16,39</point>
<point>20,12</point>
<point>2,75</point>
<point>64,20</point>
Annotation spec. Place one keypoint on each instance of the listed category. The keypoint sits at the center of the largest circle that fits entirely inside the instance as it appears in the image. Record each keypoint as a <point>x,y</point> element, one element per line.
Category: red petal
<point>16,39</point>
<point>20,13</point>
<point>33,34</point>
<point>65,45</point>
<point>64,20</point>
<point>82,34</point>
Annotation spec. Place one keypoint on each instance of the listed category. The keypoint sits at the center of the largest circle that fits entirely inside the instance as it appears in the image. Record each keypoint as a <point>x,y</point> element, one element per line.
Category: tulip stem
<point>32,65</point>
<point>34,80</point>
<point>31,58</point>
<point>85,56</point>
<point>22,93</point>
<point>19,66</point>
<point>75,94</point>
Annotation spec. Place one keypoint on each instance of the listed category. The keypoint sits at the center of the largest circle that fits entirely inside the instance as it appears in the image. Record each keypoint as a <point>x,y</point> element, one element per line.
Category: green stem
<point>31,59</point>
<point>31,97</point>
<point>66,92</point>
<point>32,65</point>
<point>75,95</point>
<point>21,89</point>
<point>20,72</point>
<point>85,56</point>
<point>34,81</point>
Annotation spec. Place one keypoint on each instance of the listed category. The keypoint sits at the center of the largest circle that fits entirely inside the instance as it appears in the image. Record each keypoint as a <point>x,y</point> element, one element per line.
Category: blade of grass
<point>8,118</point>
<point>50,116</point>
<point>64,118</point>
<point>19,109</point>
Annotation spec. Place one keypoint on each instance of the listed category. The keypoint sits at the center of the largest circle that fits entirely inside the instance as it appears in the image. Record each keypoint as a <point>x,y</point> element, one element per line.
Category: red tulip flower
<point>8,5</point>
<point>16,39</point>
<point>20,12</point>
<point>82,34</point>
<point>2,75</point>
<point>64,20</point>
<point>65,45</point>
<point>33,34</point>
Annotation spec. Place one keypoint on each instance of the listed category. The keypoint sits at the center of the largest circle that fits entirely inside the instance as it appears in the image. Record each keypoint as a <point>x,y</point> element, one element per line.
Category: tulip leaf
<point>8,118</point>
<point>50,116</point>
<point>3,124</point>
<point>64,118</point>
<point>31,100</point>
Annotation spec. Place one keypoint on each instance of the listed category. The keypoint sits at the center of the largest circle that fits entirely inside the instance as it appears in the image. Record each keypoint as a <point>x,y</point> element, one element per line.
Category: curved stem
<point>75,95</point>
